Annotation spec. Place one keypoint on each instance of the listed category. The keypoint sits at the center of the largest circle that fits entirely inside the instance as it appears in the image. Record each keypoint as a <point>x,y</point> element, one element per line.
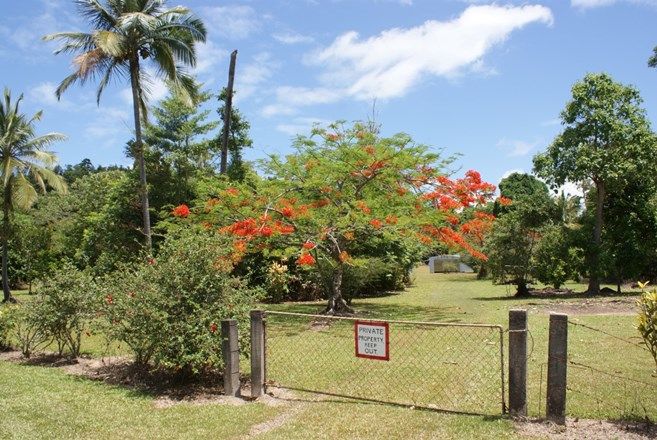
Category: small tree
<point>346,185</point>
<point>509,248</point>
<point>555,260</point>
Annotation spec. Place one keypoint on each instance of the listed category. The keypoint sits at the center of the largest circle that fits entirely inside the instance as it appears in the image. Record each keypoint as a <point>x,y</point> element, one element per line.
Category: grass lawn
<point>42,402</point>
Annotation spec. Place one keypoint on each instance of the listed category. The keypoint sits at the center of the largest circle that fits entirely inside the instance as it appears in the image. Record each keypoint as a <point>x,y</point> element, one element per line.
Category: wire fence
<point>620,389</point>
<point>452,367</point>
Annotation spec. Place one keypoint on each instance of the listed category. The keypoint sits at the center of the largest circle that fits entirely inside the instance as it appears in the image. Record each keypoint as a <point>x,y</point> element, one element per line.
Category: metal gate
<point>445,366</point>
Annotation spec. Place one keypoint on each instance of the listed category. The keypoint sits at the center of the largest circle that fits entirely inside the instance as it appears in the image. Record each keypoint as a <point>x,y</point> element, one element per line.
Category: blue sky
<point>486,80</point>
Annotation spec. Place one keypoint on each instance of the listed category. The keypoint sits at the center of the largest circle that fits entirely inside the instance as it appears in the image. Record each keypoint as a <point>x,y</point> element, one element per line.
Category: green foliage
<point>607,136</point>
<point>606,141</point>
<point>65,306</point>
<point>555,260</point>
<point>510,247</point>
<point>29,329</point>
<point>169,309</point>
<point>647,320</point>
<point>7,322</point>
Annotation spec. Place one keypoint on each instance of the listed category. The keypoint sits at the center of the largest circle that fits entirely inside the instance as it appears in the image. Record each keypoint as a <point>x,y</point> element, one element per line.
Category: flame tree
<point>345,184</point>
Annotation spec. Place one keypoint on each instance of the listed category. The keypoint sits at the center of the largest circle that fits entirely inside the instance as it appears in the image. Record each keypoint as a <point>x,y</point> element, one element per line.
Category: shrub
<point>169,309</point>
<point>67,303</point>
<point>28,327</point>
<point>7,320</point>
<point>555,260</point>
<point>647,320</point>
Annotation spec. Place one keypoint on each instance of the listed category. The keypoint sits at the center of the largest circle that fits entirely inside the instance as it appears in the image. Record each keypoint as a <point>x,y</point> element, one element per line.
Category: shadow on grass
<point>350,400</point>
<point>378,311</point>
<point>138,380</point>
<point>570,295</point>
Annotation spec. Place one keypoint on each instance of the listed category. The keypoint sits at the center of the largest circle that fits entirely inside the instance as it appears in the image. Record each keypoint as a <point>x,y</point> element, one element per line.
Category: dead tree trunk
<point>228,108</point>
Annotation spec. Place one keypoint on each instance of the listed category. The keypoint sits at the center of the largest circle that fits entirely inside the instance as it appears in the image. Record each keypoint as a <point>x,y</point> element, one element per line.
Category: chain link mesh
<point>438,366</point>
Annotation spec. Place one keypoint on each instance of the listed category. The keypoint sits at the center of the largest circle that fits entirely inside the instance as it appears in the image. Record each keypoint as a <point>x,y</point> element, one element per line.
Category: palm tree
<point>24,164</point>
<point>125,33</point>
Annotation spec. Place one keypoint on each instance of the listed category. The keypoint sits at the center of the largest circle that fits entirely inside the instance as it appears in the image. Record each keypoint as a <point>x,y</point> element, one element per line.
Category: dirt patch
<point>592,306</point>
<point>587,429</point>
<point>277,397</point>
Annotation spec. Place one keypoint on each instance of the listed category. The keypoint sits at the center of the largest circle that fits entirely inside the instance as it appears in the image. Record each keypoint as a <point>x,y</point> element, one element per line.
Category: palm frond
<point>23,193</point>
<point>97,14</point>
<point>111,43</point>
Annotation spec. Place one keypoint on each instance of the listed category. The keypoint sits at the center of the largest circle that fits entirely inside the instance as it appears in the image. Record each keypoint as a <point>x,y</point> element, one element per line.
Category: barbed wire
<point>627,341</point>
<point>614,375</point>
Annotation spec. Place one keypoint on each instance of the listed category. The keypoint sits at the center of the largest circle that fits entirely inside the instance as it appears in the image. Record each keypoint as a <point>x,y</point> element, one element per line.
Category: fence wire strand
<point>617,395</point>
<point>433,365</point>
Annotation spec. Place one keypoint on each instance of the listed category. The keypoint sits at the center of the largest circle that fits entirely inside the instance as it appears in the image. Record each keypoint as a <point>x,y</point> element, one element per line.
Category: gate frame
<point>259,344</point>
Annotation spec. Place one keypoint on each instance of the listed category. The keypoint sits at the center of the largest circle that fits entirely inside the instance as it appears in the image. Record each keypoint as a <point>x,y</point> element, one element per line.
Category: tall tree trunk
<point>139,149</point>
<point>594,278</point>
<point>336,304</point>
<point>6,227</point>
<point>228,108</point>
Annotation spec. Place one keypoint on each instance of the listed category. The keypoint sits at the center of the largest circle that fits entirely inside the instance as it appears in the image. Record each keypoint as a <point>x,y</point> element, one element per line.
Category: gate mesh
<point>449,367</point>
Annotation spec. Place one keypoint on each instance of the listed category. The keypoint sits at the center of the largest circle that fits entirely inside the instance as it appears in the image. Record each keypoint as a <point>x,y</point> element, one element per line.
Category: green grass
<point>46,403</point>
<point>42,402</point>
<point>460,298</point>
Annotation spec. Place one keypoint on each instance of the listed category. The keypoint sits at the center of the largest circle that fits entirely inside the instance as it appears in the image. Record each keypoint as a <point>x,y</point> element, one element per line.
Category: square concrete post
<point>257,353</point>
<point>231,353</point>
<point>518,362</point>
<point>557,371</point>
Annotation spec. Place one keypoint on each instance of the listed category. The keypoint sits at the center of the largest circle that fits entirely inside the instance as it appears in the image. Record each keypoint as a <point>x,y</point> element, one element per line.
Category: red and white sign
<point>371,339</point>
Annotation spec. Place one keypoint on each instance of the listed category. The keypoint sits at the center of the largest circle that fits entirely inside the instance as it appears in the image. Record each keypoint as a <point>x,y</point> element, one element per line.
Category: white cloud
<point>156,89</point>
<point>111,127</point>
<point>292,38</point>
<point>388,65</point>
<point>300,125</point>
<point>233,22</point>
<point>44,94</point>
<point>516,148</point>
<point>255,73</point>
<point>208,55</point>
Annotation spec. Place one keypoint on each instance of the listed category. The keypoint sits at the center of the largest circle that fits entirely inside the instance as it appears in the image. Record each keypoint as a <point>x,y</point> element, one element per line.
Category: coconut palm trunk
<point>6,227</point>
<point>139,147</point>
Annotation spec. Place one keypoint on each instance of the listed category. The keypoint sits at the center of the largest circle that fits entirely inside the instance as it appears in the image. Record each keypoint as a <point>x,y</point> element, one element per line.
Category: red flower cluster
<point>376,224</point>
<point>181,211</point>
<point>250,227</point>
<point>306,260</point>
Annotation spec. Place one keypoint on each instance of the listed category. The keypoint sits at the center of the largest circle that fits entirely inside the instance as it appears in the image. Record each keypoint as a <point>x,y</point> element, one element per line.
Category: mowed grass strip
<point>46,403</point>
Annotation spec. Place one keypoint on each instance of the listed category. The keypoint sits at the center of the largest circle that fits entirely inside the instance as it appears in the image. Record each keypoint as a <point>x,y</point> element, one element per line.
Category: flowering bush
<point>168,310</point>
<point>647,319</point>
<point>346,186</point>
